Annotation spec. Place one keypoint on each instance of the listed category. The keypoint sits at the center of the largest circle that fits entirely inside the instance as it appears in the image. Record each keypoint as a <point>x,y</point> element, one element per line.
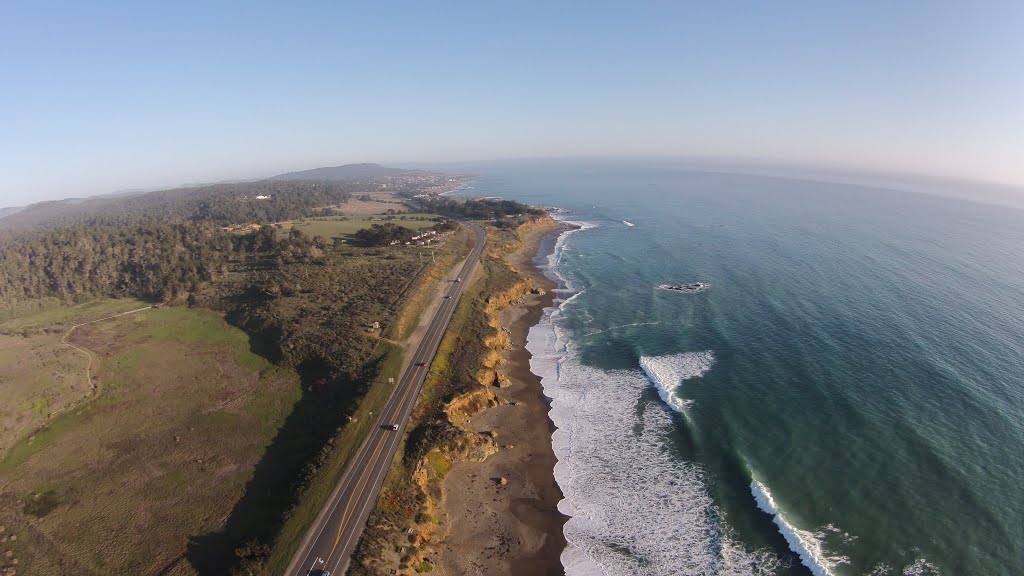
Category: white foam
<point>635,506</point>
<point>806,544</point>
<point>920,567</point>
<point>668,372</point>
<point>566,285</point>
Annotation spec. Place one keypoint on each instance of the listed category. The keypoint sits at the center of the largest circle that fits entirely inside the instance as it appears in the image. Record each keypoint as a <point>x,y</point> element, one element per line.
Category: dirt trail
<point>88,367</point>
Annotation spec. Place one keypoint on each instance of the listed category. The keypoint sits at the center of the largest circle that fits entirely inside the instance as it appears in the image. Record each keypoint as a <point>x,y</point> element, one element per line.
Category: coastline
<point>502,514</point>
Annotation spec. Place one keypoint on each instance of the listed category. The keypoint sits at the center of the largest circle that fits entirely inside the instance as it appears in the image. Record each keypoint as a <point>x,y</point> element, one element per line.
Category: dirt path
<point>93,389</point>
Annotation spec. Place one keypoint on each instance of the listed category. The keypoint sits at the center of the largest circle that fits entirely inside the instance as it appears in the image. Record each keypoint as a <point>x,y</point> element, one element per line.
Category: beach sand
<point>513,528</point>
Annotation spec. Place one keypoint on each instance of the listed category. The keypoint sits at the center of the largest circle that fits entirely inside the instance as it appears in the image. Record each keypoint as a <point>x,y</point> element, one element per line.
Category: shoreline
<point>502,513</point>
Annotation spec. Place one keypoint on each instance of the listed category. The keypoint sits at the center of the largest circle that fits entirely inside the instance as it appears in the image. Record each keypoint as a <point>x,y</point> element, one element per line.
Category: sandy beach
<point>511,526</point>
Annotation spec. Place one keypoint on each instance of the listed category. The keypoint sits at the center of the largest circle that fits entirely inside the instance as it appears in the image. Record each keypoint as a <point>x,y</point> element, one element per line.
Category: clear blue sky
<point>102,96</point>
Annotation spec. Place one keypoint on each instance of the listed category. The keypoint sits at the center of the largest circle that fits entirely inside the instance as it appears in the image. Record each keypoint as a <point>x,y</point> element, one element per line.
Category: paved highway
<point>333,536</point>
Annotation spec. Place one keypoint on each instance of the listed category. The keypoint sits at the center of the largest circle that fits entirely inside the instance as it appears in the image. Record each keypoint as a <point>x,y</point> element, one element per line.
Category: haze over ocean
<point>845,397</point>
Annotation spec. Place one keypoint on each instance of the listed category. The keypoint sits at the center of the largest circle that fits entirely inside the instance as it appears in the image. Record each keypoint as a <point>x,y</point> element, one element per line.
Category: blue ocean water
<point>846,398</point>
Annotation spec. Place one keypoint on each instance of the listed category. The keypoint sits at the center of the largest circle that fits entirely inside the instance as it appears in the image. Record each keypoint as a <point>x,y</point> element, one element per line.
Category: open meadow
<point>40,375</point>
<point>372,203</point>
<point>120,483</point>
<point>343,226</point>
<point>196,447</point>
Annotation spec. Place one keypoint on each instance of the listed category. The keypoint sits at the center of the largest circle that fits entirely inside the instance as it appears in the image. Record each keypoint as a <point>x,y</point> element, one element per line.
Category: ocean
<point>846,397</point>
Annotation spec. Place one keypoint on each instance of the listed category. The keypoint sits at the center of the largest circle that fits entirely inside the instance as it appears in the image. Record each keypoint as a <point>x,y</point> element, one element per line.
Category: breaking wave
<point>808,545</point>
<point>635,506</point>
<point>668,372</point>
<point>556,254</point>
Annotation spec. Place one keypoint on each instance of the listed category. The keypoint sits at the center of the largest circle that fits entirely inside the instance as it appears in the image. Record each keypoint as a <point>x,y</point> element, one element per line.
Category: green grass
<point>123,366</point>
<point>167,485</point>
<point>50,311</point>
<point>270,409</point>
<point>155,450</point>
<point>342,226</point>
<point>37,405</point>
<point>439,463</point>
<point>192,326</point>
<point>43,438</point>
<point>348,442</point>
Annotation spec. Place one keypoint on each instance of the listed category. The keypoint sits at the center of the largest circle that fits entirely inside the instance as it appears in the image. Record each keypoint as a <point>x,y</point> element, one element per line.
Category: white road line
<point>402,404</point>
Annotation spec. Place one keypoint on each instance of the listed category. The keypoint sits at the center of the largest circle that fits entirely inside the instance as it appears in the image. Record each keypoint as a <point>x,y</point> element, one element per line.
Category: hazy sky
<point>101,96</point>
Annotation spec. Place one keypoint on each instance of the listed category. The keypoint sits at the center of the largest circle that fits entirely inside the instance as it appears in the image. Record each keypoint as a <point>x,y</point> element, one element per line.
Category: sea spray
<point>668,372</point>
<point>635,506</point>
<point>808,545</point>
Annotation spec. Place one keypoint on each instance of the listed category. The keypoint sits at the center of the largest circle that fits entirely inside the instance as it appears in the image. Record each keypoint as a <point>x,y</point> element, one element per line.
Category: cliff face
<point>468,445</point>
<point>463,381</point>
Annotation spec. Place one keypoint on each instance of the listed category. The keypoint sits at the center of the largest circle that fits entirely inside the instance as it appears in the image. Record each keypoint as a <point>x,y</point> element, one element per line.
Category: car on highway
<point>421,364</point>
<point>447,295</point>
<point>458,279</point>
<point>390,426</point>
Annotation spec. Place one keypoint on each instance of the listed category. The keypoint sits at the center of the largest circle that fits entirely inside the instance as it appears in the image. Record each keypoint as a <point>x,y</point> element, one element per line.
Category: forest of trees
<point>383,235</point>
<point>219,203</point>
<point>473,209</point>
<point>156,262</point>
<point>149,261</point>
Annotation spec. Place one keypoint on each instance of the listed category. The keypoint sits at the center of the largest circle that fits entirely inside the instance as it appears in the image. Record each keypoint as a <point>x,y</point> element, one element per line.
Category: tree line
<point>389,233</point>
<point>236,203</point>
<point>477,209</point>
<point>152,261</point>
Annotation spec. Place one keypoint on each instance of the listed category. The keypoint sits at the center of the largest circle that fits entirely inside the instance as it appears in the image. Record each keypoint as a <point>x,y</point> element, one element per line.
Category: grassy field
<point>378,203</point>
<point>51,315</point>
<point>121,483</point>
<point>40,375</point>
<point>343,226</point>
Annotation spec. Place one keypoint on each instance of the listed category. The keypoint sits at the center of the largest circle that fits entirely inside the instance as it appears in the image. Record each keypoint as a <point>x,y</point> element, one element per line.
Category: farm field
<point>371,203</point>
<point>121,483</point>
<point>343,226</point>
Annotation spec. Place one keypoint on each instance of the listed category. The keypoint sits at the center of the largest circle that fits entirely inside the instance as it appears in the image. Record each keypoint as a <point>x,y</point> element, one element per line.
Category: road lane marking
<point>369,466</point>
<point>393,441</point>
<point>440,322</point>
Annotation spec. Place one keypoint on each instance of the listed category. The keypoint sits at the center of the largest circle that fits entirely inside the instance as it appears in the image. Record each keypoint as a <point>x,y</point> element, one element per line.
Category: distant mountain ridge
<point>347,172</point>
<point>54,210</point>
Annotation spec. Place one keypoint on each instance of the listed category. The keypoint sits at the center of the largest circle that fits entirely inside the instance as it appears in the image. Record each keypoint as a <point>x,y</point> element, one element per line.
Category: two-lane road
<point>333,536</point>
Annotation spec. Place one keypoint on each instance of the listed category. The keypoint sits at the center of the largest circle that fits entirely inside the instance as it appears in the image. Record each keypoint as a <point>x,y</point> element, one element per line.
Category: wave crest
<point>808,545</point>
<point>668,372</point>
<point>635,506</point>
